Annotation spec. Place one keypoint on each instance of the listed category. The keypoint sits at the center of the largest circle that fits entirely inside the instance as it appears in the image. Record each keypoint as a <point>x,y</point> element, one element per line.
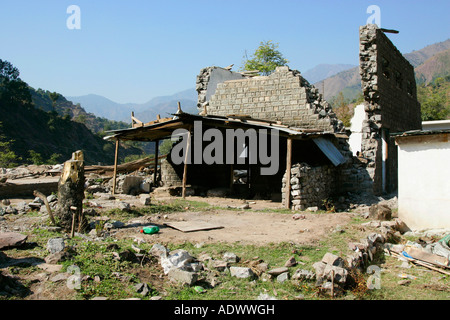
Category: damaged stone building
<point>316,161</point>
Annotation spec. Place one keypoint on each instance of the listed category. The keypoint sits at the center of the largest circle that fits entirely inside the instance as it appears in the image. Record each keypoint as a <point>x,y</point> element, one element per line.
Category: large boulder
<point>11,239</point>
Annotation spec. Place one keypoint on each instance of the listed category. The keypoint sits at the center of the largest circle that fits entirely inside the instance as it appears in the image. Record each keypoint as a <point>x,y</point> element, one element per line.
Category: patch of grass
<point>117,277</point>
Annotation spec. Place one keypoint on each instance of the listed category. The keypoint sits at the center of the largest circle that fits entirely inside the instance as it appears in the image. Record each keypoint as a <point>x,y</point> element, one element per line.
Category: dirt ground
<point>247,226</point>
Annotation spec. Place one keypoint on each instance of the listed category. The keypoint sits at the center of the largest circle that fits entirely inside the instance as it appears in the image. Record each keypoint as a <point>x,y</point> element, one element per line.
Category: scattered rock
<point>298,216</point>
<point>277,271</point>
<point>241,272</point>
<point>143,289</point>
<point>283,277</point>
<point>291,262</point>
<point>158,250</point>
<point>55,245</point>
<point>182,276</point>
<point>145,199</point>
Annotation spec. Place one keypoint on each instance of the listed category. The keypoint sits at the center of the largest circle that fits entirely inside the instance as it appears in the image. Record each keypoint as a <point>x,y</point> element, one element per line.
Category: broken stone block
<point>131,185</point>
<point>55,245</point>
<point>340,274</point>
<point>177,259</point>
<point>182,276</point>
<point>56,257</point>
<point>283,277</point>
<point>158,250</point>
<point>302,274</point>
<point>380,212</point>
<point>220,265</point>
<point>319,268</point>
<point>241,272</point>
<point>230,257</point>
<point>333,260</point>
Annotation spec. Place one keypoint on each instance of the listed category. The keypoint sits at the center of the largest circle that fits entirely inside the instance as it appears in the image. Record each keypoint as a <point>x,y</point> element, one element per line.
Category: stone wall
<point>310,186</point>
<point>169,176</point>
<point>283,96</point>
<point>391,105</point>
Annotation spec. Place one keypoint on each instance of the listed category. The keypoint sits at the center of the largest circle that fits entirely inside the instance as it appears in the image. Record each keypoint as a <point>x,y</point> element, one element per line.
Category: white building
<point>424,178</point>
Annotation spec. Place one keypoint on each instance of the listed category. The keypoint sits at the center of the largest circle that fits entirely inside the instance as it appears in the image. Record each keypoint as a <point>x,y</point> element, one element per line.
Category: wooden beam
<point>185,162</point>
<point>115,167</point>
<point>287,191</point>
<point>156,161</point>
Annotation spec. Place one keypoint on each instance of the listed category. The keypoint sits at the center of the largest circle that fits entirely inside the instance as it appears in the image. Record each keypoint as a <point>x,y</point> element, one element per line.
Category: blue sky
<point>132,51</point>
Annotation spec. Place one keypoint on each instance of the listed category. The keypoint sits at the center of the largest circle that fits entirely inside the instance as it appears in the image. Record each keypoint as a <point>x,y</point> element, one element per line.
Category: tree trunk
<point>71,192</point>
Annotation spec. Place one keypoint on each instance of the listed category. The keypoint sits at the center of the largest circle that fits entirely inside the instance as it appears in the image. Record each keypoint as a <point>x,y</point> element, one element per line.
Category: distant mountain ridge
<point>163,105</point>
<point>323,71</point>
<point>349,81</point>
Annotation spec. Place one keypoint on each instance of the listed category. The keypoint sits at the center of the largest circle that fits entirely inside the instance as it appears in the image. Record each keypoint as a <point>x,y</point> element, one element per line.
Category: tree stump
<point>71,193</point>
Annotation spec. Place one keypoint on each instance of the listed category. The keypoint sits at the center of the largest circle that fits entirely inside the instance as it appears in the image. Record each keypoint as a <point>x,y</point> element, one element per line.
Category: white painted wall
<point>356,129</point>
<point>424,184</point>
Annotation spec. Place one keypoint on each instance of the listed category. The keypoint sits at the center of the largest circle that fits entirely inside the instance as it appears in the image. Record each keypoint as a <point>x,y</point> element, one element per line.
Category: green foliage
<point>8,158</point>
<point>265,59</point>
<point>434,99</point>
<point>35,158</point>
<point>55,158</point>
<point>165,147</point>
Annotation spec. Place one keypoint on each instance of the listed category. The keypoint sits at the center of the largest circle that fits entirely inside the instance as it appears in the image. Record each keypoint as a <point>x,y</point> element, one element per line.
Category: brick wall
<point>282,96</point>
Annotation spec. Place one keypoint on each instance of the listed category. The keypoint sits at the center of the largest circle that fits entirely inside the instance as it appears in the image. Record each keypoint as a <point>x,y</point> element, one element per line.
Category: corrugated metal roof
<point>330,151</point>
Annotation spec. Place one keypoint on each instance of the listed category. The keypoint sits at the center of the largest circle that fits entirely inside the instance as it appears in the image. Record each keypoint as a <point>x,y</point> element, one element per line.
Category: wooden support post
<point>115,167</point>
<point>156,161</point>
<point>287,191</point>
<point>185,163</point>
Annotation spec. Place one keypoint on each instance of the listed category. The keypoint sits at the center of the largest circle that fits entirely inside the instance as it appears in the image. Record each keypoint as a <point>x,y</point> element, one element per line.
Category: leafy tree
<point>434,99</point>
<point>265,59</point>
<point>13,91</point>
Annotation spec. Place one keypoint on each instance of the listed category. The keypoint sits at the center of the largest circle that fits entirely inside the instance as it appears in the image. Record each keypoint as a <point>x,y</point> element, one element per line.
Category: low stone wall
<point>310,186</point>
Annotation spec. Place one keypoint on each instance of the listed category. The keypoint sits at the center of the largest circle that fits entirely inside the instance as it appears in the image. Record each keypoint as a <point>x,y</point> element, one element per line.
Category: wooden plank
<point>287,197</point>
<point>192,226</point>
<point>422,255</point>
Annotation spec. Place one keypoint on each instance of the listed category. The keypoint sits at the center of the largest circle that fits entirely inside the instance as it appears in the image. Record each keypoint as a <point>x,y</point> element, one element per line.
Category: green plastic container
<point>150,229</point>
